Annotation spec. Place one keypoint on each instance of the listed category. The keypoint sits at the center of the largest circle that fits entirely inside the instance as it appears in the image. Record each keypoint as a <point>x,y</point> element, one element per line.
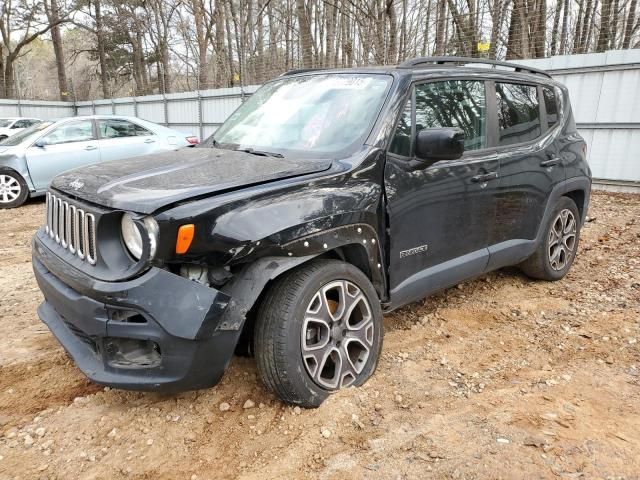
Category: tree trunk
<point>201,40</point>
<point>104,81</point>
<point>9,79</point>
<point>305,34</point>
<point>541,30</point>
<point>392,47</point>
<point>565,28</point>
<point>53,14</point>
<point>556,26</point>
<point>605,22</point>
<point>441,19</point>
<point>227,25</point>
<point>331,13</point>
<point>628,29</point>
<point>584,39</point>
<point>3,93</point>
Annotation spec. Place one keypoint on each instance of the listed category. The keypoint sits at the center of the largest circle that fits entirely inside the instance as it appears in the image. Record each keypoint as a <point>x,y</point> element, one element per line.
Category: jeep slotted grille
<point>71,227</point>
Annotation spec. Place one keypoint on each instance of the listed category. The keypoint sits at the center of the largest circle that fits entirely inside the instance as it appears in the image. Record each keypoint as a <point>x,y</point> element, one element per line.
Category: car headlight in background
<point>133,237</point>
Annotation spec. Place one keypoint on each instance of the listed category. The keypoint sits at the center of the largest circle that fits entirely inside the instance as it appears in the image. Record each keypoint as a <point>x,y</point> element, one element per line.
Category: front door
<point>70,145</point>
<point>441,216</point>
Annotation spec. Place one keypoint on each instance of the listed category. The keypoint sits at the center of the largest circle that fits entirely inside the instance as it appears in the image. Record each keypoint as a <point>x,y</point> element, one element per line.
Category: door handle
<point>485,177</point>
<point>90,147</point>
<point>551,162</point>
<point>149,140</point>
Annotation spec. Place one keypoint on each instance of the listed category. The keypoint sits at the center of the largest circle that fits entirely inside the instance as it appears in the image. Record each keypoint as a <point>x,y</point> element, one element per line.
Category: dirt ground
<point>500,377</point>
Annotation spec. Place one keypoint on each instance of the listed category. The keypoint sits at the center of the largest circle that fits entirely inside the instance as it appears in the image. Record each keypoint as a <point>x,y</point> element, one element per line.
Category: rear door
<point>441,216</point>
<point>530,166</point>
<point>120,138</point>
<point>69,145</point>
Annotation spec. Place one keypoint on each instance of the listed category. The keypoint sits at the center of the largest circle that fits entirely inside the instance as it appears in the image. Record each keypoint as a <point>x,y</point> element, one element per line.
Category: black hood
<point>144,184</point>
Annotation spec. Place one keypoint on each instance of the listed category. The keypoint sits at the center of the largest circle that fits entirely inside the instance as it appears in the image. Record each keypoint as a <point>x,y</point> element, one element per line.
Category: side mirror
<point>435,144</point>
<point>41,143</point>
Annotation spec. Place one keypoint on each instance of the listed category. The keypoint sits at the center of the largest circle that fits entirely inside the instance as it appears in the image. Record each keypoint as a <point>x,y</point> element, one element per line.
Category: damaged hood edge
<point>145,184</point>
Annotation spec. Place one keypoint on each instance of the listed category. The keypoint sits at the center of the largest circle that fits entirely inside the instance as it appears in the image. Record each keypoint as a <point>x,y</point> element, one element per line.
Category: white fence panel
<point>605,97</point>
<point>36,109</point>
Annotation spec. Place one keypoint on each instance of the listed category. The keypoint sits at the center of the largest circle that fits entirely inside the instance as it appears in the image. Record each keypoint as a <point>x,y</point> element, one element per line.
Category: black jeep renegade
<point>326,199</point>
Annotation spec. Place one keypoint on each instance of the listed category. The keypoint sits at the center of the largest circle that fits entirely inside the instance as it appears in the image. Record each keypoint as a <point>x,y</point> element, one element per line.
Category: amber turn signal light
<point>185,237</point>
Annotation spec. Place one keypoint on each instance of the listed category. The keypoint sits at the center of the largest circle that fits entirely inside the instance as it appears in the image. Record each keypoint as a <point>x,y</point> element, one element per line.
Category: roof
<point>421,65</point>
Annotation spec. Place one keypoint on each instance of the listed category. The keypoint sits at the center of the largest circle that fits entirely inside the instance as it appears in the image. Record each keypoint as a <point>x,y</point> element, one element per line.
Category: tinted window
<point>454,103</point>
<point>401,143</point>
<point>21,124</point>
<point>518,113</point>
<point>115,128</point>
<point>71,132</point>
<point>551,106</point>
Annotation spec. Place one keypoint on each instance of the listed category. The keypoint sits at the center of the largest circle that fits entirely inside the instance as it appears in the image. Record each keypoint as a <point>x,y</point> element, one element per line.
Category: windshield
<point>318,115</point>
<point>23,135</point>
<point>5,122</point>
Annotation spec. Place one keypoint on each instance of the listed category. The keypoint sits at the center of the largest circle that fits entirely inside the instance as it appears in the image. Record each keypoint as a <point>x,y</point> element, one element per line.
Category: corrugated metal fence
<point>604,90</point>
<point>198,113</point>
<point>605,96</point>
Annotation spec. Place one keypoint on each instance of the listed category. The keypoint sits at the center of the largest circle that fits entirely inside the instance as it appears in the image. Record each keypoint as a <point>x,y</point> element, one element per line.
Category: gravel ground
<point>500,377</point>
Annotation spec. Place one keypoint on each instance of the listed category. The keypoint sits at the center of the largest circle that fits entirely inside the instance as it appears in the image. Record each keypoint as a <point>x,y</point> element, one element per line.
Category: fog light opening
<point>132,353</point>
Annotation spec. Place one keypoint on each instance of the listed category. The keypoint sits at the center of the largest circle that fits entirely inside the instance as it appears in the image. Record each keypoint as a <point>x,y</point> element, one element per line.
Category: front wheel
<point>319,329</point>
<point>557,250</point>
<point>13,189</point>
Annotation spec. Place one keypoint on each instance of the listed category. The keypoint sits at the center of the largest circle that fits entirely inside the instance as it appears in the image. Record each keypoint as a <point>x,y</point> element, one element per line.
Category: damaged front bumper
<point>157,332</point>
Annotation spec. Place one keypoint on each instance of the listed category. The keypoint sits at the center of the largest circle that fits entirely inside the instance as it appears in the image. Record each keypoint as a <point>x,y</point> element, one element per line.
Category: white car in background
<point>13,125</point>
<point>30,159</point>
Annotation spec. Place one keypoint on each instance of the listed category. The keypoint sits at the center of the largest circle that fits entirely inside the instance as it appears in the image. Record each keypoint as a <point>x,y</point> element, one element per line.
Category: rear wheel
<point>557,250</point>
<point>13,189</point>
<point>318,329</point>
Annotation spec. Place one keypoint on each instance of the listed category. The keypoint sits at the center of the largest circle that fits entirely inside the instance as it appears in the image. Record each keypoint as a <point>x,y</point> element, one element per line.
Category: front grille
<point>71,227</point>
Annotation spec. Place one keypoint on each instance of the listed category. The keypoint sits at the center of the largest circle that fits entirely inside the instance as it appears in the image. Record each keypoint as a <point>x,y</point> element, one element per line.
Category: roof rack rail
<point>299,70</point>
<point>414,62</point>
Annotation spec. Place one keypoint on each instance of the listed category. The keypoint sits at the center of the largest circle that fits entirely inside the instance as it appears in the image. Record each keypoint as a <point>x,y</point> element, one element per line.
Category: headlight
<point>132,236</point>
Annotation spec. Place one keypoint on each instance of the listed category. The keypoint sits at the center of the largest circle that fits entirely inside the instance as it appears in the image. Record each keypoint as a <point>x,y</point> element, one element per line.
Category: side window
<point>116,128</point>
<point>71,132</point>
<point>454,103</point>
<point>518,113</point>
<point>401,143</point>
<point>551,106</point>
<point>21,124</point>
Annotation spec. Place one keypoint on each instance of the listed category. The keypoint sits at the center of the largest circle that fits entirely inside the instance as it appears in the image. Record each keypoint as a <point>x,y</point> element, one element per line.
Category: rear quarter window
<point>550,105</point>
<point>518,113</point>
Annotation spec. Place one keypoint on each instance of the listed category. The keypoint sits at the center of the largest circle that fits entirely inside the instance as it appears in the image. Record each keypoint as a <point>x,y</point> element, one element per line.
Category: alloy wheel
<point>9,189</point>
<point>337,334</point>
<point>562,239</point>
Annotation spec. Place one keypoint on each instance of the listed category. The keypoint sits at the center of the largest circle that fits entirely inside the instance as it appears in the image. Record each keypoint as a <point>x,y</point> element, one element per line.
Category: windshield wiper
<point>261,153</point>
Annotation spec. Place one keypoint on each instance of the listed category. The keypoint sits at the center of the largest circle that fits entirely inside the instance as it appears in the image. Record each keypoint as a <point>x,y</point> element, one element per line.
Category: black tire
<point>540,264</point>
<point>278,336</point>
<point>13,183</point>
<point>3,138</point>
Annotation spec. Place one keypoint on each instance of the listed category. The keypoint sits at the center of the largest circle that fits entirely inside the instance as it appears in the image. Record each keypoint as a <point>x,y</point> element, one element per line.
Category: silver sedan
<point>30,159</point>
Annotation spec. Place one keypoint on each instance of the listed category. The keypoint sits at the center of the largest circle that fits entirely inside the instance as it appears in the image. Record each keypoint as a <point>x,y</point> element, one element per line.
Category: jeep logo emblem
<point>77,184</point>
